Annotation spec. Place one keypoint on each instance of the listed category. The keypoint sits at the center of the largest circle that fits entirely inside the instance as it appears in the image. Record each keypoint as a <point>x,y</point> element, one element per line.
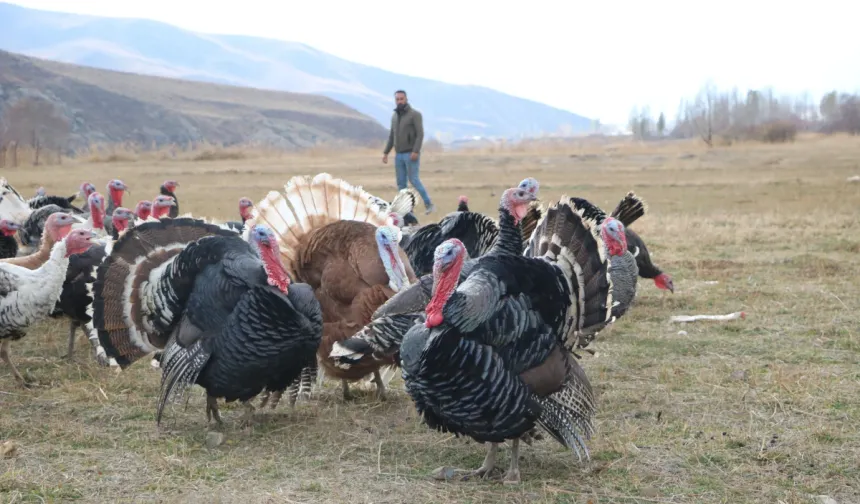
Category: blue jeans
<point>406,168</point>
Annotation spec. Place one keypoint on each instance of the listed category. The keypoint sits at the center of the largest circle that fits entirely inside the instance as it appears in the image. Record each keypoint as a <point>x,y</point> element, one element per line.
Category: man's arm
<point>419,133</point>
<point>390,144</point>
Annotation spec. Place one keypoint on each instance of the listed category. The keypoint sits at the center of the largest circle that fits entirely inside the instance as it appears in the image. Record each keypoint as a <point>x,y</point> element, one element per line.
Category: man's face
<point>400,99</point>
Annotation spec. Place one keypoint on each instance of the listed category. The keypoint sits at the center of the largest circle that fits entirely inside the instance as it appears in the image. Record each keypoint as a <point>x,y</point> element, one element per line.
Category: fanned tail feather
<point>571,240</point>
<point>404,202</point>
<point>629,209</point>
<point>117,292</point>
<point>310,203</point>
<point>529,223</point>
<point>568,415</point>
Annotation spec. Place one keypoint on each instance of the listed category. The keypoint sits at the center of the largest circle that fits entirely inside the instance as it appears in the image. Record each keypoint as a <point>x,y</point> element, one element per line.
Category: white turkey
<point>492,357</point>
<point>29,295</point>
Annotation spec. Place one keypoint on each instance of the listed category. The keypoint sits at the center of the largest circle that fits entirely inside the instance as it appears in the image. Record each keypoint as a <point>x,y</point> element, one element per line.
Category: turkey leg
<point>73,328</point>
<point>212,410</point>
<point>247,419</point>
<point>347,395</point>
<point>92,335</point>
<point>513,475</point>
<point>447,473</point>
<point>380,385</point>
<point>4,356</point>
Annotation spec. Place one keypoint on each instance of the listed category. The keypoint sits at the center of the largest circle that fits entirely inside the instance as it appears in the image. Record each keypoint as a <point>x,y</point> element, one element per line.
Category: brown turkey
<point>334,238</point>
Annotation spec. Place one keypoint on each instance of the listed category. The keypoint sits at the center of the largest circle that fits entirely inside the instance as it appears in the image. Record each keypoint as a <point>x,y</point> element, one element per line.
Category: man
<point>406,137</point>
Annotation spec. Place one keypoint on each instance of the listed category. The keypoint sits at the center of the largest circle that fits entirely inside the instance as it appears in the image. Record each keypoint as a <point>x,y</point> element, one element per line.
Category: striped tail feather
<point>404,201</point>
<point>119,307</point>
<point>571,240</point>
<point>629,209</point>
<point>531,220</point>
<point>568,414</point>
<point>311,203</point>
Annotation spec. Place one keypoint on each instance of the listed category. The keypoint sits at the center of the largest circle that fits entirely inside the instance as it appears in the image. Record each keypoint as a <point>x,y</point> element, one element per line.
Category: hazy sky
<point>597,59</point>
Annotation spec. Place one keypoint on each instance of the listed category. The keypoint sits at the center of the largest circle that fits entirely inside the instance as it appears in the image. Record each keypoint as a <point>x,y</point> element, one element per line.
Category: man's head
<point>400,98</point>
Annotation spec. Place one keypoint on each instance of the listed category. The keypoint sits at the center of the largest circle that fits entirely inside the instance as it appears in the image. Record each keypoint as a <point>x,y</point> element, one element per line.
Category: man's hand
<point>414,156</point>
<point>385,159</point>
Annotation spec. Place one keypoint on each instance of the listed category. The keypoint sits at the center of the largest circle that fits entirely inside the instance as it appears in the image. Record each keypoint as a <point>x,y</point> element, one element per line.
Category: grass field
<point>757,410</point>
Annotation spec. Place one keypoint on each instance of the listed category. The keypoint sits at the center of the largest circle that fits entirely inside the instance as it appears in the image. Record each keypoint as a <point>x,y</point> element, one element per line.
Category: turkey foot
<point>93,336</point>
<point>449,473</point>
<point>247,419</point>
<point>212,410</point>
<point>512,477</point>
<point>380,385</point>
<point>347,395</point>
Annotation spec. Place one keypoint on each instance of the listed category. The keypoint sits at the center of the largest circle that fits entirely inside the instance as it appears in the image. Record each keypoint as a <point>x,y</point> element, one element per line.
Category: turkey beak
<point>264,240</point>
<point>671,286</point>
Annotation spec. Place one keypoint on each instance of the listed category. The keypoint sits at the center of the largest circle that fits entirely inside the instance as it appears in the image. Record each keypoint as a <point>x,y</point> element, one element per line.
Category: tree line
<point>727,116</point>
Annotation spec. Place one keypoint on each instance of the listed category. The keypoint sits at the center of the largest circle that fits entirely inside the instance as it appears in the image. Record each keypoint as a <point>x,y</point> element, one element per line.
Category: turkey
<point>8,243</point>
<point>629,210</point>
<point>463,203</point>
<point>223,310</point>
<point>162,206</point>
<point>140,251</point>
<point>168,188</point>
<point>246,207</point>
<point>477,231</point>
<point>30,232</point>
<point>63,202</point>
<point>143,209</point>
<point>335,240</point>
<point>12,206</point>
<point>647,269</point>
<point>492,358</point>
<point>29,295</point>
<point>116,190</point>
<point>382,336</point>
<point>57,225</point>
<point>86,189</point>
<point>76,297</point>
<point>624,268</point>
<point>97,215</point>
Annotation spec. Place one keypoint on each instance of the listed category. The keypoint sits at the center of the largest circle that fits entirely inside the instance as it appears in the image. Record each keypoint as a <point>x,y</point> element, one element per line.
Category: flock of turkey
<point>483,317</point>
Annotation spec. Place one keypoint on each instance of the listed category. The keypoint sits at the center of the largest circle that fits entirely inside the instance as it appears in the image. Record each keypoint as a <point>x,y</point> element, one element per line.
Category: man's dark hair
<point>401,91</point>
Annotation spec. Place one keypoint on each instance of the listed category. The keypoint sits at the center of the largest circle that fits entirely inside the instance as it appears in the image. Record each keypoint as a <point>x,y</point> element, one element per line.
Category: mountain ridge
<point>106,106</point>
<point>451,111</point>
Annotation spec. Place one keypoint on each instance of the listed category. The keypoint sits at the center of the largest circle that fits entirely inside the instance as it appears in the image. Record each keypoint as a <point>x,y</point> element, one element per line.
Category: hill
<point>108,106</point>
<point>142,46</point>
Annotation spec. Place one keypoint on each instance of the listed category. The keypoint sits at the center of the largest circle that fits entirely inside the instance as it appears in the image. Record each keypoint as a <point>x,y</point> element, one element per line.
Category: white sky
<point>594,58</point>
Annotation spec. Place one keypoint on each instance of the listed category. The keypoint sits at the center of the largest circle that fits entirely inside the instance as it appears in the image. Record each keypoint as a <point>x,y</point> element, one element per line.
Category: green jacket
<point>407,131</point>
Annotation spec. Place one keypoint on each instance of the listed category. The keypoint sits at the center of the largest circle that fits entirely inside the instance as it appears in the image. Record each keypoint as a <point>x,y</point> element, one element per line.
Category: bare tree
<point>36,123</point>
<point>661,124</point>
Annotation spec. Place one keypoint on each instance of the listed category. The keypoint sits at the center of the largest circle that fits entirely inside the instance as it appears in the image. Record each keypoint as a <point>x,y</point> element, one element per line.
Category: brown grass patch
<point>757,410</point>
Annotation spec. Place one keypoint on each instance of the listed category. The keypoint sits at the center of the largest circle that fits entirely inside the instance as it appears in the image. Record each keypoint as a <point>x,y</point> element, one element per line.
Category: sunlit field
<point>762,409</point>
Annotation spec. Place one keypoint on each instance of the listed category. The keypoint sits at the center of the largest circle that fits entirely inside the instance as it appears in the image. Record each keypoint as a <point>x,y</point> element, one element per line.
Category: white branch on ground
<point>693,318</point>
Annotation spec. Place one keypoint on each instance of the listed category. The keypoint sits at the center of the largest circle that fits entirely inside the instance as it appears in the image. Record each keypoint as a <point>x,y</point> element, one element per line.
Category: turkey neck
<point>443,287</point>
<point>55,267</point>
<point>510,240</point>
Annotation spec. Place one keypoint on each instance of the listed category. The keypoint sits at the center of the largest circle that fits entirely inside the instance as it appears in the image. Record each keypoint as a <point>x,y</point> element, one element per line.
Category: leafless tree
<point>37,123</point>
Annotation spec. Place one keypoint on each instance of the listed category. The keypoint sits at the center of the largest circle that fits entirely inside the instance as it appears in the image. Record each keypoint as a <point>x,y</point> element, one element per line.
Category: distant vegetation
<point>761,115</point>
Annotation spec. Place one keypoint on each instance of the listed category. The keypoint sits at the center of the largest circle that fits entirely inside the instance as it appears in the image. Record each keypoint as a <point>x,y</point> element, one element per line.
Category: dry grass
<point>758,410</point>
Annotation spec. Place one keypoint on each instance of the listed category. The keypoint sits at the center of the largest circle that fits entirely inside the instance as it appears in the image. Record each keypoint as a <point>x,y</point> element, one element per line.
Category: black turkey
<point>381,338</point>
<point>492,358</point>
<point>8,243</point>
<point>477,231</point>
<point>168,188</point>
<point>223,310</point>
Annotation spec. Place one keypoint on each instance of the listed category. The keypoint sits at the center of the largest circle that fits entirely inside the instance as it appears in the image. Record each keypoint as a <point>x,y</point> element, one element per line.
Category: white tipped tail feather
<point>309,203</point>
